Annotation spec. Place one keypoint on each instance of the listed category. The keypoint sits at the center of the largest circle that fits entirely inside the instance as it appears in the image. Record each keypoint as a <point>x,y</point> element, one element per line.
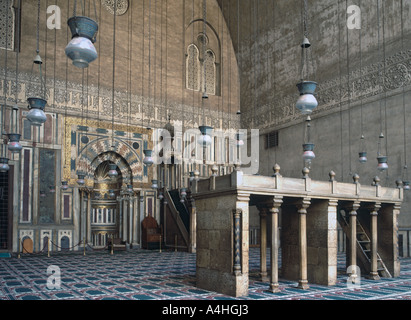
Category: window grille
<point>272,139</point>
<point>6,25</point>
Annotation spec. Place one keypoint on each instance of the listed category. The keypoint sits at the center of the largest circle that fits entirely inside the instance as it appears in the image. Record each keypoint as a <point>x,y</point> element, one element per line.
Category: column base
<point>303,284</point>
<point>274,288</point>
<point>373,276</point>
<point>264,277</point>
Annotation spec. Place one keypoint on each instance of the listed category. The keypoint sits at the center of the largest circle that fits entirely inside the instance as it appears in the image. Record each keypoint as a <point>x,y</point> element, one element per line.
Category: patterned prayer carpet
<point>169,275</point>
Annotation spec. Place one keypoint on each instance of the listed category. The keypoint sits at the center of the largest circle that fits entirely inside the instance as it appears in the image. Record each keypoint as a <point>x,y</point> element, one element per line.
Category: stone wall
<point>371,77</point>
<point>151,42</point>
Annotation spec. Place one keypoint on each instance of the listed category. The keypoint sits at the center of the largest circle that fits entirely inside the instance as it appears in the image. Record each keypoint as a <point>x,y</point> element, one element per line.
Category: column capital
<point>397,206</point>
<point>263,210</point>
<point>243,196</point>
<point>303,204</point>
<point>374,208</point>
<point>270,206</point>
<point>237,212</point>
<point>352,207</point>
<point>332,202</point>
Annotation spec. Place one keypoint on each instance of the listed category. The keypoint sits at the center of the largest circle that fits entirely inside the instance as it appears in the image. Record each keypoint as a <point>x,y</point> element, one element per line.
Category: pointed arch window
<point>209,78</point>
<point>193,68</point>
<point>202,66</point>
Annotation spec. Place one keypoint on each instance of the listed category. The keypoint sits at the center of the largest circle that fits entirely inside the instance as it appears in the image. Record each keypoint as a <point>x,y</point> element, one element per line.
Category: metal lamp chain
<point>306,18</point>
<point>17,50</point>
<point>42,85</point>
<point>204,42</point>
<point>38,26</point>
<point>114,70</point>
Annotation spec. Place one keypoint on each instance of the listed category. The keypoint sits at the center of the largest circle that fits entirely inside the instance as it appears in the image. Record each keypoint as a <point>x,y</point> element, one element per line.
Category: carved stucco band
<point>359,84</point>
<point>125,111</point>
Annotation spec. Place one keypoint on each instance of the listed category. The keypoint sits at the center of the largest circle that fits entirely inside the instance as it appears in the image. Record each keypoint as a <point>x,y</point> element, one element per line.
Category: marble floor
<point>151,275</point>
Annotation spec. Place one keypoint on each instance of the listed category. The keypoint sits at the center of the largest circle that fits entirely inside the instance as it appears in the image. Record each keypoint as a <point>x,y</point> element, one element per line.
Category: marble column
<point>263,242</point>
<point>142,214</point>
<point>125,221</point>
<point>130,217</point>
<point>120,216</point>
<point>88,231</point>
<point>81,215</point>
<point>353,237</point>
<point>274,211</point>
<point>193,226</point>
<point>374,242</point>
<point>135,221</point>
<point>302,242</point>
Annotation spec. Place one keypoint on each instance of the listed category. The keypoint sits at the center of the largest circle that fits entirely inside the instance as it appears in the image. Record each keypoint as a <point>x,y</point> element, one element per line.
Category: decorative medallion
<point>122,6</point>
<point>396,76</point>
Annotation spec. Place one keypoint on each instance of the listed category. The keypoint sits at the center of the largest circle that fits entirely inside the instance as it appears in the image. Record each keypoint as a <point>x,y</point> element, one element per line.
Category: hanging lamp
<point>196,175</point>
<point>83,29</point>
<point>205,138</point>
<point>382,163</point>
<point>37,104</point>
<point>154,184</point>
<point>4,162</point>
<point>363,157</point>
<point>148,159</point>
<point>183,194</point>
<point>307,102</point>
<point>308,154</point>
<point>308,146</point>
<point>191,177</point>
<point>206,131</point>
<point>112,172</point>
<point>362,154</point>
<point>382,160</point>
<point>239,139</point>
<point>14,138</point>
<point>405,180</point>
<point>80,178</point>
<point>4,165</point>
<point>64,185</point>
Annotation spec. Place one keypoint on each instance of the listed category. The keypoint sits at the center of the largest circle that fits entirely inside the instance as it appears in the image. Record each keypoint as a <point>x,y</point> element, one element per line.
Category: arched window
<point>209,74</point>
<point>201,65</point>
<point>193,68</point>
